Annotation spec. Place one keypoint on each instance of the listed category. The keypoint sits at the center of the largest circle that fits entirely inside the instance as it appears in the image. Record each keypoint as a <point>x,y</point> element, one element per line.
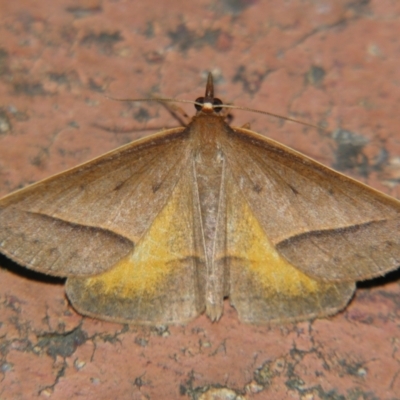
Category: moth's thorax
<point>207,129</point>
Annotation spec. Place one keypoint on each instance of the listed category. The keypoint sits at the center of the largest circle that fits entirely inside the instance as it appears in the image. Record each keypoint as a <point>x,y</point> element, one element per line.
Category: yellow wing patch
<point>247,241</point>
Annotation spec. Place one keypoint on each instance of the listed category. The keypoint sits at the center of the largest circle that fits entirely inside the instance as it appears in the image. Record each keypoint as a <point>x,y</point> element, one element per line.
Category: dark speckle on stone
<point>315,75</point>
<point>63,345</point>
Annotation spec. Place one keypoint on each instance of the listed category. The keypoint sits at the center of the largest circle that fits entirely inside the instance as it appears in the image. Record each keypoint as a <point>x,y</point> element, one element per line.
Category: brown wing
<point>84,220</point>
<point>325,224</point>
<point>161,281</point>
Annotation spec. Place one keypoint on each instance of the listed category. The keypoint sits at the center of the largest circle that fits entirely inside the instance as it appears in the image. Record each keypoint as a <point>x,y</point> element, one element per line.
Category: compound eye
<point>216,103</point>
<point>200,100</point>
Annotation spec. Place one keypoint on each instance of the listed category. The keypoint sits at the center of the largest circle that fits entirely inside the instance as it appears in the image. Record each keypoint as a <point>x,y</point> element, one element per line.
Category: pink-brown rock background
<point>330,62</point>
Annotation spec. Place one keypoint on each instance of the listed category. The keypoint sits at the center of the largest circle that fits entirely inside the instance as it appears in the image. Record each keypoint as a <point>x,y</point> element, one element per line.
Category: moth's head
<point>209,104</point>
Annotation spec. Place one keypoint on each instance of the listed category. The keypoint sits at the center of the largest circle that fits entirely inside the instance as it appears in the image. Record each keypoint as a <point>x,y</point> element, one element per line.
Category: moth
<point>167,227</point>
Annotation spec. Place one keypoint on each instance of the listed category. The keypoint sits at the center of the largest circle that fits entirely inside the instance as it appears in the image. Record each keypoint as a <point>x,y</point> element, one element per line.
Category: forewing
<point>325,224</point>
<point>84,220</point>
<point>160,281</point>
